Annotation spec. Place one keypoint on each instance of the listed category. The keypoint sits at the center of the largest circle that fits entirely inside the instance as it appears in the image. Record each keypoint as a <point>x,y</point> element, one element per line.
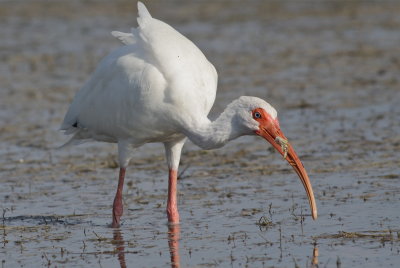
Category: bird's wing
<point>117,99</point>
<point>192,79</point>
<point>139,89</point>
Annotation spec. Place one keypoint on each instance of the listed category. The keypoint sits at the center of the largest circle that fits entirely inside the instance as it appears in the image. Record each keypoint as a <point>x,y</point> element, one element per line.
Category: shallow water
<point>332,71</point>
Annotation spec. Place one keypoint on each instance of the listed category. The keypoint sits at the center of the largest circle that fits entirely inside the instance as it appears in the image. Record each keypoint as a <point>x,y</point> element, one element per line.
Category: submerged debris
<point>264,222</point>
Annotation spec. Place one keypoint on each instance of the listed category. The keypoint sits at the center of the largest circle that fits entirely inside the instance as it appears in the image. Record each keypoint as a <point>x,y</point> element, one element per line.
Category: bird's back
<point>142,91</point>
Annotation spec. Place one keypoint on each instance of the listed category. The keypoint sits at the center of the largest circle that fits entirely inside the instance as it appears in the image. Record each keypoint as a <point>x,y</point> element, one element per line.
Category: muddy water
<point>332,71</point>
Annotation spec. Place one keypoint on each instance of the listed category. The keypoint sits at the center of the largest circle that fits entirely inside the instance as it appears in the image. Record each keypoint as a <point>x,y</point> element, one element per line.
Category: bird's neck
<point>209,134</point>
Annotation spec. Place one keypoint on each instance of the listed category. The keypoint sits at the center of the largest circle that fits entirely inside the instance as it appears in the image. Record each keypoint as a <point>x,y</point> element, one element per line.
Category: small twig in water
<point>338,262</point>
<point>301,220</point>
<point>269,210</point>
<point>99,237</point>
<point>180,176</point>
<point>48,261</point>
<point>4,215</point>
<point>280,239</point>
<point>295,263</point>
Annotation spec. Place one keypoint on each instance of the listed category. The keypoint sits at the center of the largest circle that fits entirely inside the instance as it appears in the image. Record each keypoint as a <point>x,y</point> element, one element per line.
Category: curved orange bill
<point>272,133</point>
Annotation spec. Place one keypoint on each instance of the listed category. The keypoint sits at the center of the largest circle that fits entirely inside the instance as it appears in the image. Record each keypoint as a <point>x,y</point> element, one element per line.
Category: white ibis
<point>159,87</point>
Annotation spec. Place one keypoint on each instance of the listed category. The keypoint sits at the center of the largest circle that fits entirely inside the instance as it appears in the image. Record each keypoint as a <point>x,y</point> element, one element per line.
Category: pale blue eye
<point>257,115</point>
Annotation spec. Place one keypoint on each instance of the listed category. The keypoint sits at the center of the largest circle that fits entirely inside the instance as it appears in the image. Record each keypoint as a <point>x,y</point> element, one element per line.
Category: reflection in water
<point>314,262</point>
<point>173,243</point>
<point>119,249</point>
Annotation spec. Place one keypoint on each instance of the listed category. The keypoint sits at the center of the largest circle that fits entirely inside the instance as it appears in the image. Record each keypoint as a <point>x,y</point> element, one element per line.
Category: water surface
<point>332,71</point>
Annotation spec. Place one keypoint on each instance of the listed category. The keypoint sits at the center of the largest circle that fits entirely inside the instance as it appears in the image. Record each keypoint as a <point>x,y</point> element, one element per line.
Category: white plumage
<point>142,92</point>
<point>157,87</point>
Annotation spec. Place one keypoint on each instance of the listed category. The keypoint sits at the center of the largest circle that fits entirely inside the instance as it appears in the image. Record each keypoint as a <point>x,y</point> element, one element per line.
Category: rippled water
<point>332,71</point>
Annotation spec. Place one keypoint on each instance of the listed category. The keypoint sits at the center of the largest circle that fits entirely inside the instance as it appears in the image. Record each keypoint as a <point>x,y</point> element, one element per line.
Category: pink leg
<point>172,204</point>
<point>118,208</point>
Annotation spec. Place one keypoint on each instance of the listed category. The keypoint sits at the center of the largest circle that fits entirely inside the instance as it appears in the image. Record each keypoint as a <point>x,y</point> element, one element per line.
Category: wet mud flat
<point>332,71</point>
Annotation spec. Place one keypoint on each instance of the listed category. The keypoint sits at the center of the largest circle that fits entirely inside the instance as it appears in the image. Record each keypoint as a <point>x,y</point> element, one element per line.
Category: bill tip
<point>314,215</point>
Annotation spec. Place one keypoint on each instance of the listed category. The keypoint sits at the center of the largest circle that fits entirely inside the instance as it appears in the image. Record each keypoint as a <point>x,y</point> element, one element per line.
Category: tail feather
<point>144,14</point>
<point>79,135</point>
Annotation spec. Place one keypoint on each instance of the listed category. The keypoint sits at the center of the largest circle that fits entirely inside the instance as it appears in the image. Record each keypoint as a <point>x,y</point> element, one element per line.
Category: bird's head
<point>260,118</point>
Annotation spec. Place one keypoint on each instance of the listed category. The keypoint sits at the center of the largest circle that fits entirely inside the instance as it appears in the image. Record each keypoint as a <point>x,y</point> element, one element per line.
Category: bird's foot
<point>173,216</point>
<point>116,221</point>
<point>114,225</point>
<point>117,212</point>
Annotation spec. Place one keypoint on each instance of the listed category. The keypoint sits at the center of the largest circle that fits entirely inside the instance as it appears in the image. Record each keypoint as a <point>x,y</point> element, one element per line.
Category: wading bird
<point>159,87</point>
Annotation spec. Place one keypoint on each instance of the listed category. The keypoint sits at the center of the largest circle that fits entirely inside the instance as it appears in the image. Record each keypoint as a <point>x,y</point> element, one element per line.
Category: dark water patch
<point>23,220</point>
<point>390,176</point>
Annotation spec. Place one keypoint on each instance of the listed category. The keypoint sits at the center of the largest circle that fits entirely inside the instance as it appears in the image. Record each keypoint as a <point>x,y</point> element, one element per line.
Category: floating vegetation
<point>386,235</point>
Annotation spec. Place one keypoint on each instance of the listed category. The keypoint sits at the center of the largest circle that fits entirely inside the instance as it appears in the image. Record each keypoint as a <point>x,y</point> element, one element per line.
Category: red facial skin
<point>269,129</point>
